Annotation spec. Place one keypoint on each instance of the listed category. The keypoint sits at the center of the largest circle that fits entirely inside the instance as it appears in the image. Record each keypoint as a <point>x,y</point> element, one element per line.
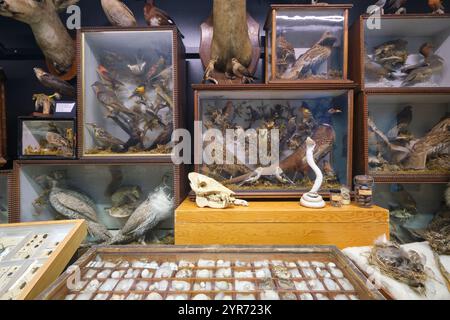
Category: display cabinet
<point>278,121</point>
<point>215,273</point>
<point>41,138</point>
<point>307,43</point>
<point>2,118</point>
<point>5,194</point>
<point>111,191</point>
<point>33,255</point>
<point>405,137</point>
<point>392,54</point>
<point>412,207</point>
<point>130,96</point>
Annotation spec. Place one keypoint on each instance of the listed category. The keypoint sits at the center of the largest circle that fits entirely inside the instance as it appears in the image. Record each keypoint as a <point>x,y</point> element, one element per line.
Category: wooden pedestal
<point>279,223</point>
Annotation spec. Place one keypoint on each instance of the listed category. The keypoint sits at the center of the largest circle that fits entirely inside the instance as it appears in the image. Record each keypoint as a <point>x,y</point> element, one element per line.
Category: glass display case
<point>2,118</point>
<point>41,138</point>
<point>104,193</point>
<point>219,273</point>
<point>5,183</point>
<point>307,43</point>
<point>31,255</point>
<point>407,136</point>
<point>412,208</point>
<point>131,95</point>
<point>268,155</point>
<point>394,55</point>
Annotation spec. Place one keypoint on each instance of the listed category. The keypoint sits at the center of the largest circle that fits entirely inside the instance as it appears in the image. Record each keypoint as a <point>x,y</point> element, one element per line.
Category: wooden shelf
<point>279,223</point>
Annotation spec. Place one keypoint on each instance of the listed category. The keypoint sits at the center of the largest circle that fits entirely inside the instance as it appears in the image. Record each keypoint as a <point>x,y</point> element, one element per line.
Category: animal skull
<point>50,33</point>
<point>210,193</point>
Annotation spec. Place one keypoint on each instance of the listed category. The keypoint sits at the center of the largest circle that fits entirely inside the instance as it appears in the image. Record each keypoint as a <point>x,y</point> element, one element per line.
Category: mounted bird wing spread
<point>48,29</point>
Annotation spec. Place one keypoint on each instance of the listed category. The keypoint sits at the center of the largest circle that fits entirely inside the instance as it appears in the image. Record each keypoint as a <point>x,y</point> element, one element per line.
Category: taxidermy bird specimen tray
<point>32,255</point>
<point>198,273</point>
<point>130,97</point>
<point>324,115</point>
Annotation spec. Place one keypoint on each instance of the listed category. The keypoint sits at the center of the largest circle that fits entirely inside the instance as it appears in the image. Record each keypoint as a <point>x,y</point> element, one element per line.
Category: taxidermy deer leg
<point>230,38</point>
<point>49,32</point>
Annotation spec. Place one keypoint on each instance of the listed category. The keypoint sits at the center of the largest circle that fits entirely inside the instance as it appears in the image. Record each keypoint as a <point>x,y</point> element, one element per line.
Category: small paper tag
<point>365,192</point>
<point>65,107</point>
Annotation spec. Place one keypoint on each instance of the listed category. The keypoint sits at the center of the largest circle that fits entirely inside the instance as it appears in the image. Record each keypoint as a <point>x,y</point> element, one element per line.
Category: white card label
<point>65,107</point>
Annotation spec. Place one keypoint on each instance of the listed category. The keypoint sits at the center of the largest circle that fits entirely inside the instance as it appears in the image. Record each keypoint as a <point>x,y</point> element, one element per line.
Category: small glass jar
<point>336,198</point>
<point>346,196</point>
<point>364,191</point>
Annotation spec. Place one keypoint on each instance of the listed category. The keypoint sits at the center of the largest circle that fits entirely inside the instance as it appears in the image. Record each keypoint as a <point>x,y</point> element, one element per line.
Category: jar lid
<point>364,179</point>
<point>335,191</point>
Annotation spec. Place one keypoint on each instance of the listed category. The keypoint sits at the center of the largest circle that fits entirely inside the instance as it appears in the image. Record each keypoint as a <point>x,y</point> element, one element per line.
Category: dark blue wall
<point>187,14</point>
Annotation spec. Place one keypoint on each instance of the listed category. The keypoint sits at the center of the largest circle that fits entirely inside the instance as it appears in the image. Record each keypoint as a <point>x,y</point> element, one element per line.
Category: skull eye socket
<point>202,184</point>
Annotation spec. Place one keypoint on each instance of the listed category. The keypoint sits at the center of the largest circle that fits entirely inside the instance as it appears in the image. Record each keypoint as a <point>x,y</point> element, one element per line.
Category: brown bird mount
<point>239,20</point>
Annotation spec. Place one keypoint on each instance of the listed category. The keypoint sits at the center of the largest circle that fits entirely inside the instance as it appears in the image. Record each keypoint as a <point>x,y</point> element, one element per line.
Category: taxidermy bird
<point>391,54</point>
<point>242,72</point>
<point>312,59</point>
<point>109,99</point>
<point>156,208</point>
<point>107,78</point>
<point>436,6</point>
<point>118,13</point>
<point>378,7</point>
<point>50,81</point>
<point>209,71</point>
<point>156,17</point>
<point>376,71</point>
<point>403,120</point>
<point>104,138</point>
<point>75,205</point>
<point>422,72</point>
<point>397,6</point>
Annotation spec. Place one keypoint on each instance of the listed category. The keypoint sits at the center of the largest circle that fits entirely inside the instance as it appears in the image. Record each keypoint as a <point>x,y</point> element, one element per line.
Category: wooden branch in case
<point>52,243</point>
<point>256,269</point>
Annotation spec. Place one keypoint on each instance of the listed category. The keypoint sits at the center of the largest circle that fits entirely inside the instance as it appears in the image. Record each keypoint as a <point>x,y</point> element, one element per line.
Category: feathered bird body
<point>118,13</point>
<point>156,208</point>
<point>50,81</point>
<point>156,17</point>
<point>312,59</point>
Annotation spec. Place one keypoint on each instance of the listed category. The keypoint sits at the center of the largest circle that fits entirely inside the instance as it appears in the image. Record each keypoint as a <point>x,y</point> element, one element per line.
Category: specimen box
<point>263,115</point>
<point>214,273</point>
<point>33,255</point>
<point>47,138</point>
<point>412,207</point>
<point>114,190</point>
<point>405,137</point>
<point>5,194</point>
<point>279,223</point>
<point>403,51</point>
<point>130,96</point>
<point>307,43</point>
<point>2,118</point>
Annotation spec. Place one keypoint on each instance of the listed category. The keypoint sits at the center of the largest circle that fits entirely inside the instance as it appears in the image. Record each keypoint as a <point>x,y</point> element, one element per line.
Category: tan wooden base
<point>279,223</point>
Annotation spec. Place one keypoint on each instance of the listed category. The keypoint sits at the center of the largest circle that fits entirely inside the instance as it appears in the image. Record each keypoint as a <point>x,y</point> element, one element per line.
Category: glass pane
<point>398,55</point>
<point>114,191</point>
<point>409,134</point>
<point>3,198</point>
<point>412,207</point>
<point>48,138</point>
<point>128,92</point>
<point>295,115</point>
<point>310,44</point>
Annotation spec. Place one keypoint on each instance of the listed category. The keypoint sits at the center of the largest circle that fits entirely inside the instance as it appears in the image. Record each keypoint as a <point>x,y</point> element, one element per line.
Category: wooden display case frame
<point>21,156</point>
<point>271,24</point>
<point>179,97</point>
<point>363,287</point>
<point>3,142</point>
<point>179,178</point>
<point>9,176</point>
<point>357,56</point>
<point>58,260</point>
<point>361,141</point>
<point>294,194</point>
